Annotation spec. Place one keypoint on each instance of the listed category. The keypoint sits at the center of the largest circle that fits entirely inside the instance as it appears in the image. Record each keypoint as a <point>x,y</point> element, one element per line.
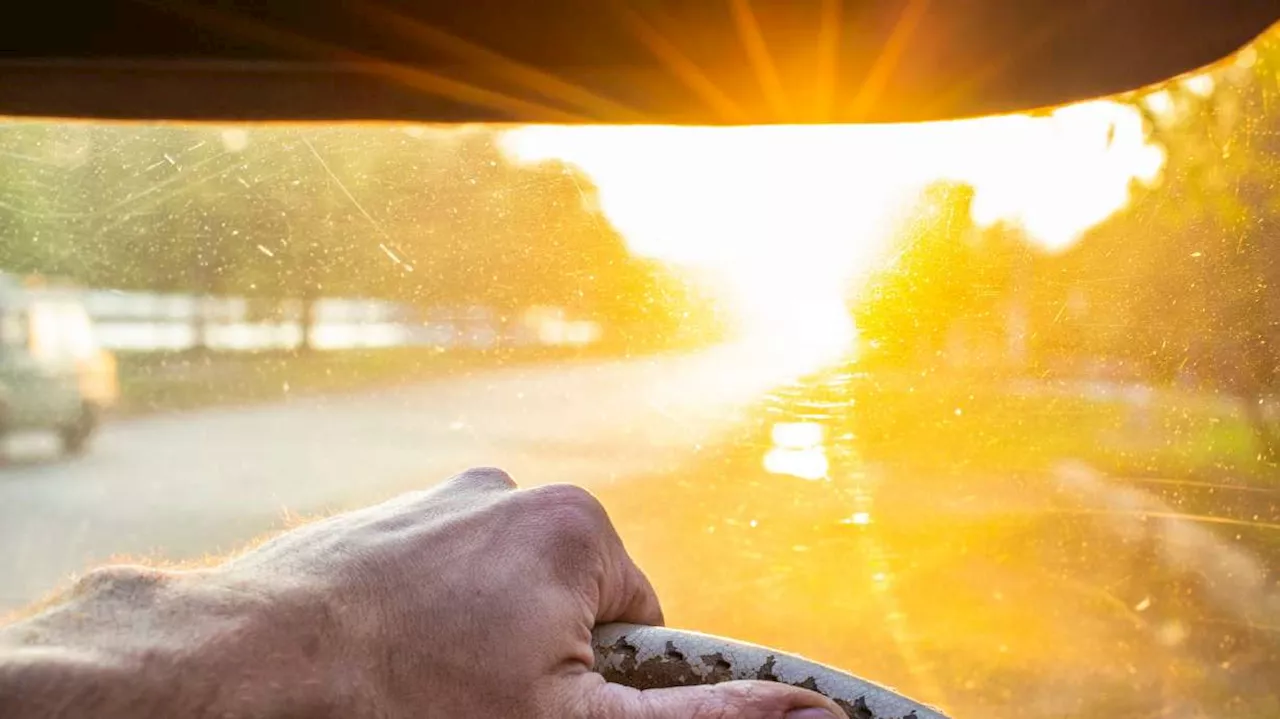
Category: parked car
<point>53,374</point>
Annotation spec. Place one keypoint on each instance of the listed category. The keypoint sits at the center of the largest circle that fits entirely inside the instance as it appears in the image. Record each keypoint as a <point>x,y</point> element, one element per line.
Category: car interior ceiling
<point>573,61</point>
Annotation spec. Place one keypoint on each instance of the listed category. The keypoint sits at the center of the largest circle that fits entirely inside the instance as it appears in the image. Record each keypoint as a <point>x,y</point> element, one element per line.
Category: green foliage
<point>1186,277</point>
<point>1182,284</point>
<point>949,283</point>
<point>434,217</point>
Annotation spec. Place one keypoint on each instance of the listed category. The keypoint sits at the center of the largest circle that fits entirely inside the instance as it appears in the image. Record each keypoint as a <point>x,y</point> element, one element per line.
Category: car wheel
<point>75,437</point>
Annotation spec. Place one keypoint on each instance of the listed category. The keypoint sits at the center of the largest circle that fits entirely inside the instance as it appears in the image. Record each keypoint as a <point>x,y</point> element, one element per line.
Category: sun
<point>795,214</point>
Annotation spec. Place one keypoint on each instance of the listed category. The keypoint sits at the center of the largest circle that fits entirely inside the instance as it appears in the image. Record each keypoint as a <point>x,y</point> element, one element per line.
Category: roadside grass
<point>991,423</point>
<point>160,382</point>
<point>1194,451</point>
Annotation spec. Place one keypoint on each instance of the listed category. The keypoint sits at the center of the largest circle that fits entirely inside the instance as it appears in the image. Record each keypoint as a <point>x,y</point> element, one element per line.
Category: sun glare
<point>794,214</point>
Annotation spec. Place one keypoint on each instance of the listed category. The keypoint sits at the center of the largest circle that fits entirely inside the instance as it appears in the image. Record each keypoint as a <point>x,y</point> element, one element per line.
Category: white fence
<point>142,321</point>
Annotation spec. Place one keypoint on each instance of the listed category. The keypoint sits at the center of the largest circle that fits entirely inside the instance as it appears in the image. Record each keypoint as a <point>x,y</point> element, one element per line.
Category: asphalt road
<point>180,486</point>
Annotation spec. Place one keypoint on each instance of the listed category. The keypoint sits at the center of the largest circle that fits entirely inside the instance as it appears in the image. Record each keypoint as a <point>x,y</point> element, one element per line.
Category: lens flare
<point>796,214</point>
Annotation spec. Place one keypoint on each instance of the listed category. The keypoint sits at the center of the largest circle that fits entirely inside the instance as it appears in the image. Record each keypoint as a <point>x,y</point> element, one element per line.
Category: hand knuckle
<point>486,478</point>
<point>571,519</point>
<point>574,507</point>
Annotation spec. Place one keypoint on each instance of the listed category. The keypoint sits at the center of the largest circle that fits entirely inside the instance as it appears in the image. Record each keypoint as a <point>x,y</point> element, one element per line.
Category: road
<point>178,486</point>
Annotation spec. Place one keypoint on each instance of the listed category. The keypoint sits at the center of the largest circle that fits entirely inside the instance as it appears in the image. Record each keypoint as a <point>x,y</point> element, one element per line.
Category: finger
<point>741,699</point>
<point>478,485</point>
<point>587,549</point>
<point>635,602</point>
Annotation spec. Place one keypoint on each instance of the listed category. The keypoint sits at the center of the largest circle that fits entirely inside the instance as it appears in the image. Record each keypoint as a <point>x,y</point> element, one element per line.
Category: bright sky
<point>792,212</point>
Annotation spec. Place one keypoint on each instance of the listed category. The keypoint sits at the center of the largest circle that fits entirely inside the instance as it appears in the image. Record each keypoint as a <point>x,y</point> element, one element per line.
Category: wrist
<point>275,650</point>
<point>132,641</point>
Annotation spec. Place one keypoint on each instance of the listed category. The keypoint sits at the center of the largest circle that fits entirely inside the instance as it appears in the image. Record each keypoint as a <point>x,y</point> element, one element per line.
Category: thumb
<point>739,699</point>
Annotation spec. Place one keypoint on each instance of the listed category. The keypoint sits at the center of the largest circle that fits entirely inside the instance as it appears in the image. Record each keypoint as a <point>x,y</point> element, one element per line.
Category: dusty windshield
<point>983,410</point>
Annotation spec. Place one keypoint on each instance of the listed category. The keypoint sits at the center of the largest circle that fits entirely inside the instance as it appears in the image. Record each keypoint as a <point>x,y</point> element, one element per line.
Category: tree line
<point>430,217</point>
<point>1180,285</point>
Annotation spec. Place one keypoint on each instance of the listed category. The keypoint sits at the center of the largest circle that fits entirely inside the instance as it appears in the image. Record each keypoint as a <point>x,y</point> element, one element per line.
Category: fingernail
<point>812,713</point>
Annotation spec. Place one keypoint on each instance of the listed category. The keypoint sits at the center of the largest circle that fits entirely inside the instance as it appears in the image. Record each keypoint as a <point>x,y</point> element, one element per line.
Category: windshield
<point>983,410</point>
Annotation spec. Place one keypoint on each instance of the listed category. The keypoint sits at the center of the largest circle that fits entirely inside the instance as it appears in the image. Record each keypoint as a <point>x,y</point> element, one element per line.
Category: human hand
<point>473,599</point>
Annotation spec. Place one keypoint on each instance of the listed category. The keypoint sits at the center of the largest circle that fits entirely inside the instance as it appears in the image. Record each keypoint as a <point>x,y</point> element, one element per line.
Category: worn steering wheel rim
<point>645,657</point>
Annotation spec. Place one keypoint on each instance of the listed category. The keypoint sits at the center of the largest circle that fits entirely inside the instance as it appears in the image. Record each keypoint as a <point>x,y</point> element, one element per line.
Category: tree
<point>431,217</point>
<point>1191,266</point>
<point>39,206</point>
<point>907,309</point>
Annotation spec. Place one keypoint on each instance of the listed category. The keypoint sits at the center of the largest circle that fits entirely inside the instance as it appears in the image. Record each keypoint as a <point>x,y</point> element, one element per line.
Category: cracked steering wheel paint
<point>656,657</point>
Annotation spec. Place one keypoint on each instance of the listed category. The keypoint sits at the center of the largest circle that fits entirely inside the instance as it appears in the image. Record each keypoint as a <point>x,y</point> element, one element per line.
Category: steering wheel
<point>656,657</point>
